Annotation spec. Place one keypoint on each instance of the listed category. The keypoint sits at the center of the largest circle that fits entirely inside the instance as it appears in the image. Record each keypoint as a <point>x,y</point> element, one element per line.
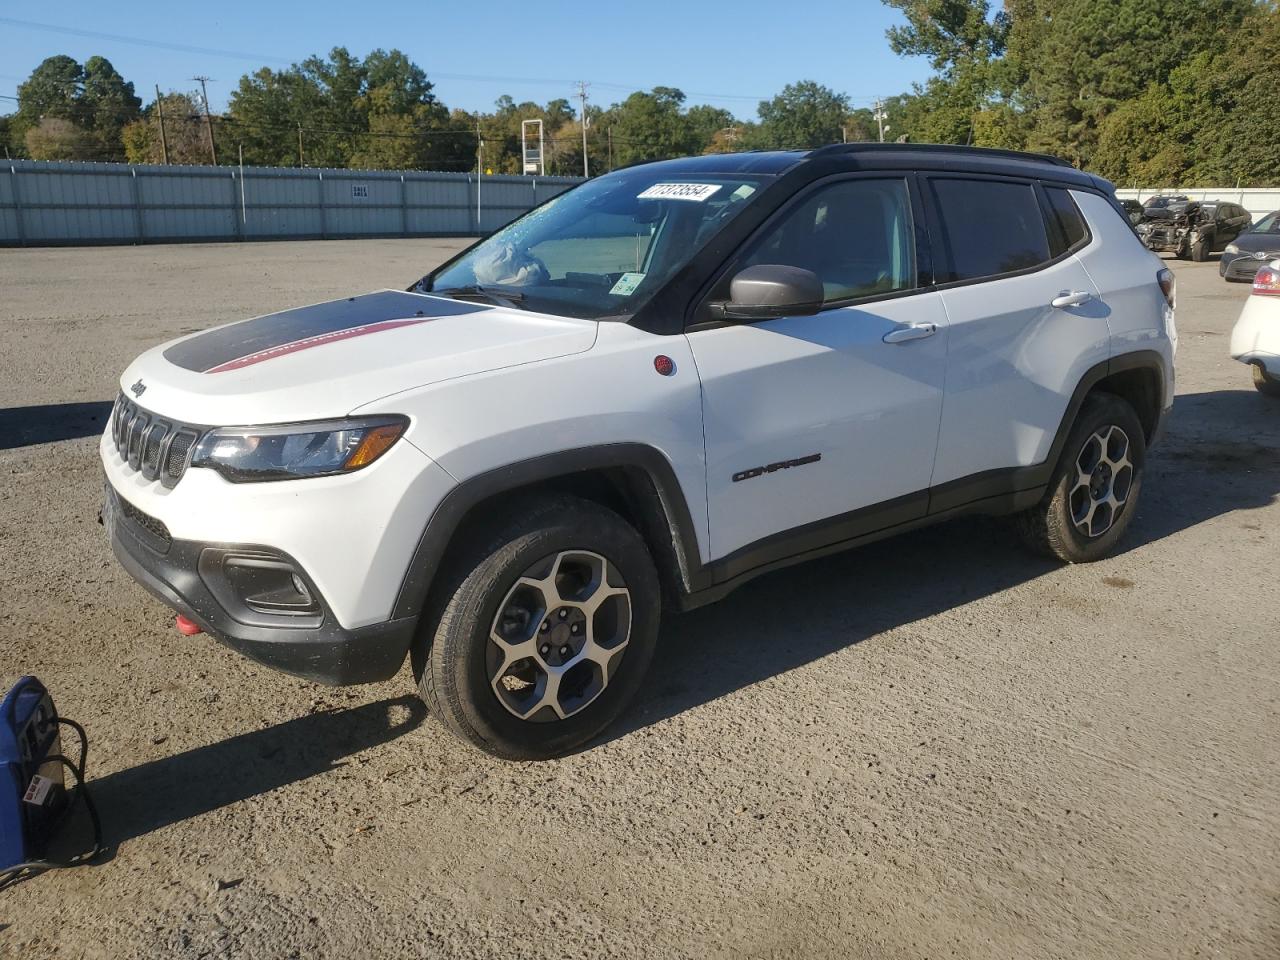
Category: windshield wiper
<point>474,290</point>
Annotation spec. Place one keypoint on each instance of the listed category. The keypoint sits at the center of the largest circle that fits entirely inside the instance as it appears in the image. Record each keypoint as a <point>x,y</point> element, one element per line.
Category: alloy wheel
<point>559,636</point>
<point>1104,478</point>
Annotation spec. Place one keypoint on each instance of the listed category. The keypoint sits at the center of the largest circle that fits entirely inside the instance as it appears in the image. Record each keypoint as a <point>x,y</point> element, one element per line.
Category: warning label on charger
<point>38,790</point>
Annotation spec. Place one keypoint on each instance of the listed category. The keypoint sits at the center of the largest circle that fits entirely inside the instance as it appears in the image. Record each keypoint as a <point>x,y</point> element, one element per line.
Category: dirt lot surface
<point>932,747</point>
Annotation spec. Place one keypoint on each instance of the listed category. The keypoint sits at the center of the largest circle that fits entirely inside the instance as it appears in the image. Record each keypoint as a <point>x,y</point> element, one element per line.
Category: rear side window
<point>989,227</point>
<point>1065,221</point>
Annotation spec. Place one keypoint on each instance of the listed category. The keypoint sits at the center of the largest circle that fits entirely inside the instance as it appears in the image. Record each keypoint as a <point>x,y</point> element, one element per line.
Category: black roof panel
<point>894,156</point>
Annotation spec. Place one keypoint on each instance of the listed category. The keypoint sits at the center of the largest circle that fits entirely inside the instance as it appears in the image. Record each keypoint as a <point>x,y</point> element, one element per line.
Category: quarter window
<point>856,235</point>
<point>1067,218</point>
<point>989,227</point>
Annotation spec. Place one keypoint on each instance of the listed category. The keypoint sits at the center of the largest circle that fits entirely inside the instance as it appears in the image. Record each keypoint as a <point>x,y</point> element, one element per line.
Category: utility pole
<point>164,140</point>
<point>479,171</point>
<point>300,162</point>
<point>582,96</point>
<point>208,120</point>
<point>844,133</point>
<point>881,116</point>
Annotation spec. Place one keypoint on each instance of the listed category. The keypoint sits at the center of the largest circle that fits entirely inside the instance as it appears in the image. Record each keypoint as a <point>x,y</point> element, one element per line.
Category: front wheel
<point>1264,383</point>
<point>544,630</point>
<point>1200,251</point>
<point>1093,492</point>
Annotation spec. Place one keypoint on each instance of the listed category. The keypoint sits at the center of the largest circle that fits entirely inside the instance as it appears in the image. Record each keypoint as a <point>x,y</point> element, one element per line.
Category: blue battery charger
<point>34,797</point>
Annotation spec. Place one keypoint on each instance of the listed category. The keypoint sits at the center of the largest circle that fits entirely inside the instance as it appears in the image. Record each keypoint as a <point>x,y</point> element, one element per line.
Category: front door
<point>824,427</point>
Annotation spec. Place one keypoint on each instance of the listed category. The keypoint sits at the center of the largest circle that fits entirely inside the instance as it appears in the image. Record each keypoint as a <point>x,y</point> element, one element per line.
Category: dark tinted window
<point>1067,218</point>
<point>856,235</point>
<point>989,227</point>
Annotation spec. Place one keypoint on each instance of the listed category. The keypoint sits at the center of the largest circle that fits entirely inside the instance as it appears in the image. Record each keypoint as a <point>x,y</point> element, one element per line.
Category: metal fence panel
<point>45,202</point>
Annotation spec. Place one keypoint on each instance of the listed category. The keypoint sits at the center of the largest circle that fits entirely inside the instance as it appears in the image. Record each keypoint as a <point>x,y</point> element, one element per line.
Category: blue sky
<point>729,54</point>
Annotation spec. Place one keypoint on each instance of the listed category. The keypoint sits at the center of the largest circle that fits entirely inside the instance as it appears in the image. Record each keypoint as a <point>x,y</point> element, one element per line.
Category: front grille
<point>158,448</point>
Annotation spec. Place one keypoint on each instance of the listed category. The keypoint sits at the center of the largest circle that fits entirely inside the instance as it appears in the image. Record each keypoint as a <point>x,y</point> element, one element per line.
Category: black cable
<point>18,872</point>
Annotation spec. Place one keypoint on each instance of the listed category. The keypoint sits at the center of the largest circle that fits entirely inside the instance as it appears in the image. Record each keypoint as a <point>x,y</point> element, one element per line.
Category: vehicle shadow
<point>48,423</point>
<point>1221,453</point>
<point>152,795</point>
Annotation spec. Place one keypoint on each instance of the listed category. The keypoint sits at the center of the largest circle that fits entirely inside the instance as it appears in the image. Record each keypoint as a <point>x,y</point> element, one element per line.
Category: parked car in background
<point>1159,203</point>
<point>1255,339</point>
<point>1192,228</point>
<point>1244,256</point>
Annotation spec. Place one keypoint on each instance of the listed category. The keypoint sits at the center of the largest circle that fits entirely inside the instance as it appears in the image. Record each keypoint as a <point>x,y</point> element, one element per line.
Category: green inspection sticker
<point>626,284</point>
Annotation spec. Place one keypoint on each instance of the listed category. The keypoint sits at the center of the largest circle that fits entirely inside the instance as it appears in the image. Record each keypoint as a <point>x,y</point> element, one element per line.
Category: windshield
<point>1268,224</point>
<point>598,251</point>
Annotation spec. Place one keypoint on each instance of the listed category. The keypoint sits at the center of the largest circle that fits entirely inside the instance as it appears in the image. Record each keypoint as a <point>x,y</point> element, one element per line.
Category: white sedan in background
<point>1255,340</point>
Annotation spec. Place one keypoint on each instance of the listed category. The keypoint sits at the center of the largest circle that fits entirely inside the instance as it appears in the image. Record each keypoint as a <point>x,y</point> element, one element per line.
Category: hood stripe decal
<point>317,341</point>
<point>219,348</point>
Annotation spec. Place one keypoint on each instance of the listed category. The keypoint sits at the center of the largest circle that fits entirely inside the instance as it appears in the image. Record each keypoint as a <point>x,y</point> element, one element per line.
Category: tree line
<point>1140,91</point>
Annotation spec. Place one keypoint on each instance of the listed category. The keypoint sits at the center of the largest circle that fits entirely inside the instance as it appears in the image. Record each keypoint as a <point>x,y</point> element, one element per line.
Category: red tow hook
<point>188,628</point>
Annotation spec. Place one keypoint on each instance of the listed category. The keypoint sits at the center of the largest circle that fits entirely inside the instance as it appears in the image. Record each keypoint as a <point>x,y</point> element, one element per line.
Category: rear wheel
<point>1264,382</point>
<point>1094,490</point>
<point>1200,251</point>
<point>544,630</point>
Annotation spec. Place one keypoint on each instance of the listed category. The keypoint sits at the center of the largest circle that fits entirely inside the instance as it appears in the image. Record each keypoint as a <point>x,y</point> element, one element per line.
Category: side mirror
<point>770,290</point>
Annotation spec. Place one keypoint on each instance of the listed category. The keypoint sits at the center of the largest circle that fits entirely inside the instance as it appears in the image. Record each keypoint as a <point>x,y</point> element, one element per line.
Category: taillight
<point>1168,285</point>
<point>1267,282</point>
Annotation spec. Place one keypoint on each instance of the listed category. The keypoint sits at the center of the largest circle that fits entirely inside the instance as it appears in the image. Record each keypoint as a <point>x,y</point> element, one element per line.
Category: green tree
<point>184,131</point>
<point>107,104</point>
<point>1074,62</point>
<point>54,138</point>
<point>964,43</point>
<point>650,126</point>
<point>704,122</point>
<point>804,114</point>
<point>53,91</point>
<point>94,99</point>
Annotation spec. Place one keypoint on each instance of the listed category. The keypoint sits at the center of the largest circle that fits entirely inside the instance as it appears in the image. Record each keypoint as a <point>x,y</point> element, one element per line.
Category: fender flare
<point>674,524</point>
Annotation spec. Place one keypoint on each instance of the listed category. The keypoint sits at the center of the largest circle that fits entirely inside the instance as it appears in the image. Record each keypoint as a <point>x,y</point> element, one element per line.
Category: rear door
<point>1025,321</point>
<point>810,419</point>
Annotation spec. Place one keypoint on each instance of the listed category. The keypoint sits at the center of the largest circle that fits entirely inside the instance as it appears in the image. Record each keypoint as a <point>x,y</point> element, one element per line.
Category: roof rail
<point>937,148</point>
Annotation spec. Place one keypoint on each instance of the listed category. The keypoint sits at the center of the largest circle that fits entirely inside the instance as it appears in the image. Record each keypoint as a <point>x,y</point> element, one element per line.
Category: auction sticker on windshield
<point>626,284</point>
<point>679,191</point>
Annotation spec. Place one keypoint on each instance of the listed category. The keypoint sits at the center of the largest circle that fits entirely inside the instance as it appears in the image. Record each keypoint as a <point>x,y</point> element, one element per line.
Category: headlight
<point>292,450</point>
<point>1142,227</point>
<point>1230,248</point>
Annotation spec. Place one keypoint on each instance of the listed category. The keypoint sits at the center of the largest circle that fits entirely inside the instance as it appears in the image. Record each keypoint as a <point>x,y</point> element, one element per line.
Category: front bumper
<point>179,573</point>
<point>1164,240</point>
<point>1242,266</point>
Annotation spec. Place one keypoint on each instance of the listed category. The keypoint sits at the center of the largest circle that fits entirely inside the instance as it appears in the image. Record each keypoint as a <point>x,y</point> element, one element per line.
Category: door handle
<point>912,331</point>
<point>1072,299</point>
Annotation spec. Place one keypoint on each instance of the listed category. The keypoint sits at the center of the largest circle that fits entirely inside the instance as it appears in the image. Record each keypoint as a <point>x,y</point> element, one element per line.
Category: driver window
<point>856,235</point>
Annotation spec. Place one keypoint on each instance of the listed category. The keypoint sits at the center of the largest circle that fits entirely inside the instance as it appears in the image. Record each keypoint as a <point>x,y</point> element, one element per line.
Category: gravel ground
<point>932,747</point>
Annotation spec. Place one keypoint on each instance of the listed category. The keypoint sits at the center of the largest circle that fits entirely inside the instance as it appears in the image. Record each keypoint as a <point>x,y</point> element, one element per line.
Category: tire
<point>1264,383</point>
<point>1052,527</point>
<point>522,565</point>
<point>1200,251</point>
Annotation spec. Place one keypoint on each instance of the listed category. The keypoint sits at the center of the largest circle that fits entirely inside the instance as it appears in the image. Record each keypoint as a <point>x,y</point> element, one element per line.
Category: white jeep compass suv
<point>643,393</point>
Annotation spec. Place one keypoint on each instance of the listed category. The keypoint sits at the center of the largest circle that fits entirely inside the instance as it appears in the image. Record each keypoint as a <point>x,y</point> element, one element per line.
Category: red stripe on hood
<point>317,341</point>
